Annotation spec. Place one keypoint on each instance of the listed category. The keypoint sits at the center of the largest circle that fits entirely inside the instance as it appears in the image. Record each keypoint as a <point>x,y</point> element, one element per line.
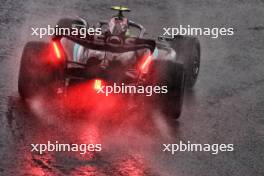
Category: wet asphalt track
<point>226,105</point>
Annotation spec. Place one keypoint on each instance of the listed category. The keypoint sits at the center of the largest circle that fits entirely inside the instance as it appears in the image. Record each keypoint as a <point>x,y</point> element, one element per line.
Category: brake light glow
<point>97,84</point>
<point>146,63</point>
<point>56,49</point>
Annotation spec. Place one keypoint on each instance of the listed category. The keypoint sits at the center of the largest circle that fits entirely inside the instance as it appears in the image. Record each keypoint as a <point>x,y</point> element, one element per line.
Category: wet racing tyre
<point>188,53</point>
<point>36,75</point>
<point>171,75</point>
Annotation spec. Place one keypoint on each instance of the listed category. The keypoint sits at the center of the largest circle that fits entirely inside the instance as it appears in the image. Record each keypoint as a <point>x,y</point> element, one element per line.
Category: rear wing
<point>111,43</point>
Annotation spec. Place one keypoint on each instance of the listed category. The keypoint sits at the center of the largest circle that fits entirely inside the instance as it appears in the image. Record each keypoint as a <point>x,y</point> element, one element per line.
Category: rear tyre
<point>188,53</point>
<point>68,23</point>
<point>171,75</point>
<point>36,76</point>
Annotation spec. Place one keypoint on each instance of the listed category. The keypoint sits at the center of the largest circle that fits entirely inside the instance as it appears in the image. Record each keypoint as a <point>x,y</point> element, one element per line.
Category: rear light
<point>57,50</point>
<point>144,64</point>
<point>97,84</point>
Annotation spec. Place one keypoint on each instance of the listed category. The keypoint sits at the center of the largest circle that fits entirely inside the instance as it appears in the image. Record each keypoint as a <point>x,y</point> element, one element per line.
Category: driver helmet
<point>118,26</point>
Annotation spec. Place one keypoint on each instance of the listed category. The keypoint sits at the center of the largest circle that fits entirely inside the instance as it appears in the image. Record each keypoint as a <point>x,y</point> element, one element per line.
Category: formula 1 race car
<point>120,54</point>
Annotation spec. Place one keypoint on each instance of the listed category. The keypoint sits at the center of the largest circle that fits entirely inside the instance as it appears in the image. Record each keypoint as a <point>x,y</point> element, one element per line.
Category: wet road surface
<point>226,105</point>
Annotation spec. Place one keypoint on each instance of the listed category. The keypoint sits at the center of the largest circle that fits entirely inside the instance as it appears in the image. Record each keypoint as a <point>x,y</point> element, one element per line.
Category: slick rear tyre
<point>36,75</point>
<point>171,75</point>
<point>189,54</point>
